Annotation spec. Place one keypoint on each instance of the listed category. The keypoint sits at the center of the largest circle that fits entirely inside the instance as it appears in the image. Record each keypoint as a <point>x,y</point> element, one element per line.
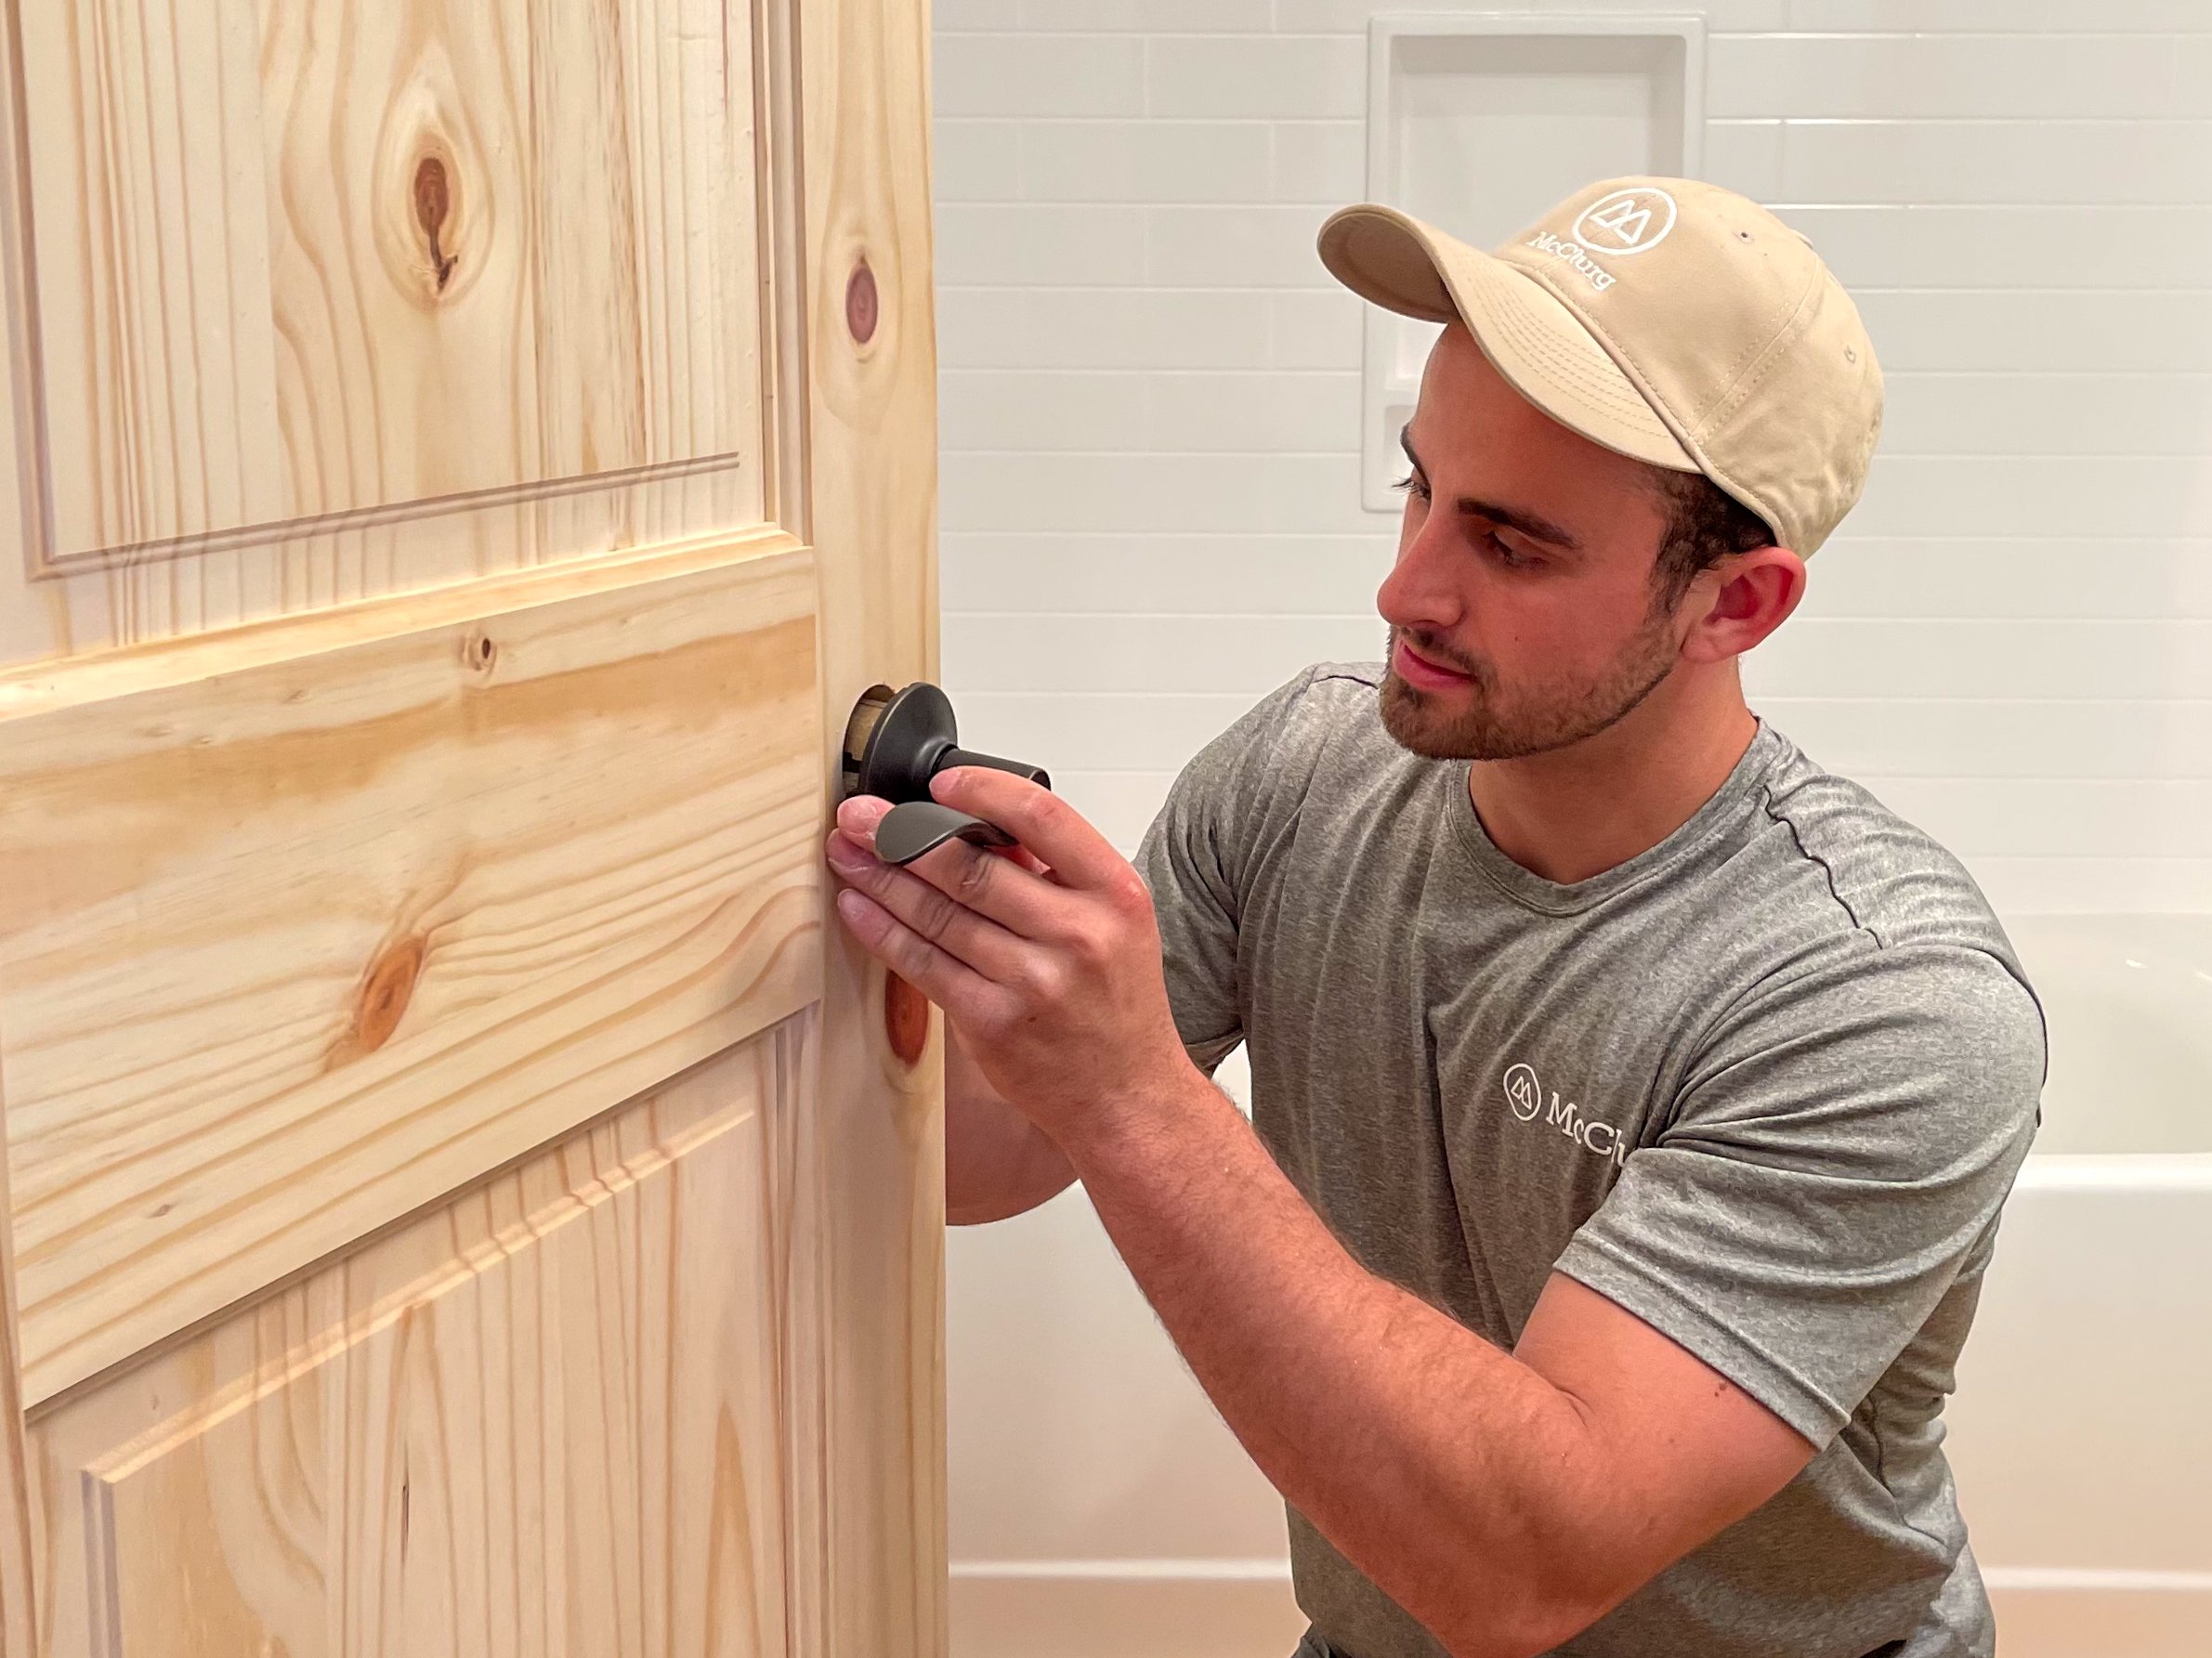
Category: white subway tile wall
<point>1150,510</point>
<point>1150,516</point>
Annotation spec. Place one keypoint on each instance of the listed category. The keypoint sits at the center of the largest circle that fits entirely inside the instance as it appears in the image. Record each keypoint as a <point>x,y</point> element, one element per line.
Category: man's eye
<point>1412,486</point>
<point>1505,554</point>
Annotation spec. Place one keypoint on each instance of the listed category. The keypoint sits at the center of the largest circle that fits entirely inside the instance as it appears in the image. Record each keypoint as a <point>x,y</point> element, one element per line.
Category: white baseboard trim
<point>1243,1609</point>
<point>2078,1579</point>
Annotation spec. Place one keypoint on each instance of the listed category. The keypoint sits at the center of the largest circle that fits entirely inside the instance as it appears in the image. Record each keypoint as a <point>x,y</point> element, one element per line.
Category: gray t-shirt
<point>1766,1085</point>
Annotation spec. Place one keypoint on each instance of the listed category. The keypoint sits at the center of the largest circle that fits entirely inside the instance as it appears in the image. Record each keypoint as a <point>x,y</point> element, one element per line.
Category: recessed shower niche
<point>1477,122</point>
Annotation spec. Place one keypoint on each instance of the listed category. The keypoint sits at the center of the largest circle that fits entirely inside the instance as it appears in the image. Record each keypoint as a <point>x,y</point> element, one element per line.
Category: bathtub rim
<point>2116,1171</point>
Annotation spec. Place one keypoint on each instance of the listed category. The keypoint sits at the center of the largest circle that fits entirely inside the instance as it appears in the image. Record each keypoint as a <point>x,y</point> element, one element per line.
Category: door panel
<point>285,948</point>
<point>307,260</point>
<point>319,1474</point>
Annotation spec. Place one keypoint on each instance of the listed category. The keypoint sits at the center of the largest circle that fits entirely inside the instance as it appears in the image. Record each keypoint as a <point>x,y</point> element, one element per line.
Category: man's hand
<point>1048,965</point>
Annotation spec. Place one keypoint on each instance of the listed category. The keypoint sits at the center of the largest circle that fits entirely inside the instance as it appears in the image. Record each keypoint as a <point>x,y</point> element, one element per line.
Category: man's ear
<point>1752,594</point>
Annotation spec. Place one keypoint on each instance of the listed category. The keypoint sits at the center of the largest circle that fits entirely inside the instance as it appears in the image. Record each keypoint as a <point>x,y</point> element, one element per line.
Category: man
<point>1634,1100</point>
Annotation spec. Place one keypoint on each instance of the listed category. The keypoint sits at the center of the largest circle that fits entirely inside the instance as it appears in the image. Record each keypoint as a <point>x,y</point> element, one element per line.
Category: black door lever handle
<point>893,743</point>
<point>913,828</point>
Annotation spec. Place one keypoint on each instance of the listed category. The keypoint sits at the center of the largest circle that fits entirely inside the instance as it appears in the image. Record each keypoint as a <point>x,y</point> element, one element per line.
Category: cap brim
<point>1536,343</point>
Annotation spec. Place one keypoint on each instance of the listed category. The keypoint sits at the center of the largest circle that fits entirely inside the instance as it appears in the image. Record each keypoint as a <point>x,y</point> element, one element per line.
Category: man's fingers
<point>1021,856</point>
<point>1079,855</point>
<point>953,984</point>
<point>858,816</point>
<point>1016,892</point>
<point>932,908</point>
<point>1005,883</point>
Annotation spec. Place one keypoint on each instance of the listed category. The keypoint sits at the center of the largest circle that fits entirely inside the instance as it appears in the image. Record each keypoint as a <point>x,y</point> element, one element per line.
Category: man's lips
<point>1417,670</point>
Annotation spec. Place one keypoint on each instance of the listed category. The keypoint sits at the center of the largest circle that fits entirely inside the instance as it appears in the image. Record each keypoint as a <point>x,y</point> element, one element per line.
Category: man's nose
<point>1421,590</point>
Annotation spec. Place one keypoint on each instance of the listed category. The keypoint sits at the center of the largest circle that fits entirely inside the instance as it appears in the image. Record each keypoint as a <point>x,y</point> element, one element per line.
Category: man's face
<point>1520,605</point>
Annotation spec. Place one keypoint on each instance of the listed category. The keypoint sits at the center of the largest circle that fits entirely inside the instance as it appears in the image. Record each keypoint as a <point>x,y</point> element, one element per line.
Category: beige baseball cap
<point>1667,319</point>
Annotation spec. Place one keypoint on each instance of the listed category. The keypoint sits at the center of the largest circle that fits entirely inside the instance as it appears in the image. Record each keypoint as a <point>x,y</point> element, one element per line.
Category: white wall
<point>1150,516</point>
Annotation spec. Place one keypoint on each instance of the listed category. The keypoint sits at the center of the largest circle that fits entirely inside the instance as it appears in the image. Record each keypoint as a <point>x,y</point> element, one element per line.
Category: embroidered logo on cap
<point>1629,221</point>
<point>1598,276</point>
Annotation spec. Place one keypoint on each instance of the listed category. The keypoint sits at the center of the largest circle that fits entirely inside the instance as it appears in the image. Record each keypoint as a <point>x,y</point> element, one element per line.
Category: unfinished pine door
<point>461,1193</point>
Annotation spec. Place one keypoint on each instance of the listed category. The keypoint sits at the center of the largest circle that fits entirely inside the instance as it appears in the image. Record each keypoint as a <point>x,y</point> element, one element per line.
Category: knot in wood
<point>906,1019</point>
<point>386,993</point>
<point>433,209</point>
<point>479,652</point>
<point>860,303</point>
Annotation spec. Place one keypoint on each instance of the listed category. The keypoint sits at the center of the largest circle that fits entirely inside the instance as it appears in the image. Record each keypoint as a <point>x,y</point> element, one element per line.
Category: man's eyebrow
<point>1529,524</point>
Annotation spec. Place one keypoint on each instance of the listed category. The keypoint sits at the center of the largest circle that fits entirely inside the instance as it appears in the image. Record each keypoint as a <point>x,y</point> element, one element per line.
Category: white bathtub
<point>2081,1431</point>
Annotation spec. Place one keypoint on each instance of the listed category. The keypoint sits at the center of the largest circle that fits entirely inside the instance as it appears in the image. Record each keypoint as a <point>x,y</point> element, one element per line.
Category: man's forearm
<point>1447,1470</point>
<point>998,1162</point>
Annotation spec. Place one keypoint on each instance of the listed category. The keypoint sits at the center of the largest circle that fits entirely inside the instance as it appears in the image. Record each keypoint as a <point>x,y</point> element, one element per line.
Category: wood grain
<point>18,1604</point>
<point>871,1450</point>
<point>286,949</point>
<point>302,260</point>
<point>235,389</point>
<point>539,1421</point>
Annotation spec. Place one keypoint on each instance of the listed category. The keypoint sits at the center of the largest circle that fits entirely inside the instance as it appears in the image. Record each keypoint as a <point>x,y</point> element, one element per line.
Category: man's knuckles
<point>927,910</point>
<point>1091,944</point>
<point>1127,892</point>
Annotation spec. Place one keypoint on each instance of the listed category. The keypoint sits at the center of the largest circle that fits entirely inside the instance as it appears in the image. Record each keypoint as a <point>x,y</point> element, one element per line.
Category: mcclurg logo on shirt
<point>1525,1094</point>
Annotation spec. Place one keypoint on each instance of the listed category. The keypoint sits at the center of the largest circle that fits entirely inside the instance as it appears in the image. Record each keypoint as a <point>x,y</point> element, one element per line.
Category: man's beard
<point>1492,727</point>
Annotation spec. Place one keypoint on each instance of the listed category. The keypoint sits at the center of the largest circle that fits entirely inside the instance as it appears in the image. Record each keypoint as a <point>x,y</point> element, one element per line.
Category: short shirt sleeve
<point>1838,1147</point>
<point>1198,857</point>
